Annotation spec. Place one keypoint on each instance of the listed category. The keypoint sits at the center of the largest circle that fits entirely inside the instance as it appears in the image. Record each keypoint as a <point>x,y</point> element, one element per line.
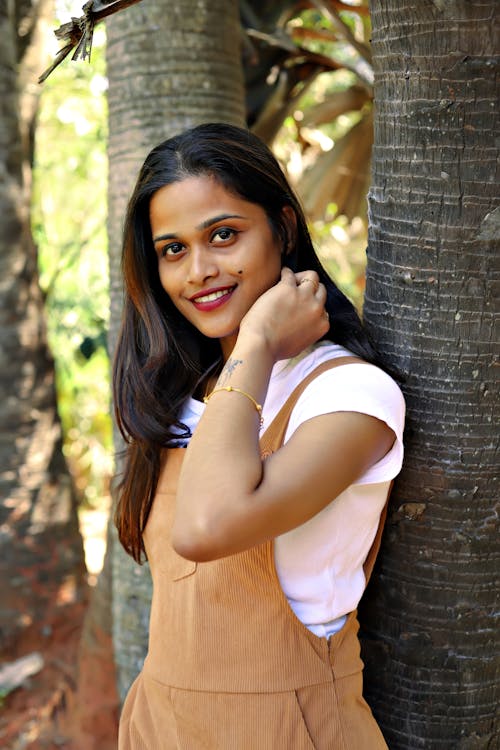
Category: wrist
<point>248,366</point>
<point>253,346</point>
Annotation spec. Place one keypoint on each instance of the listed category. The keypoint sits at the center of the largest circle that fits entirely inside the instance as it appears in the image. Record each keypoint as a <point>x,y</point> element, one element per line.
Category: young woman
<point>262,441</point>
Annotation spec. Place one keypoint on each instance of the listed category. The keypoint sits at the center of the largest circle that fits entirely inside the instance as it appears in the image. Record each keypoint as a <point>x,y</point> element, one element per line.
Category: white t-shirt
<point>320,563</point>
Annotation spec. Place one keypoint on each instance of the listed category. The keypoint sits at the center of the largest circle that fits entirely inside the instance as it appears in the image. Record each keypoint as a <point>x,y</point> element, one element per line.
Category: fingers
<point>308,283</point>
<point>308,280</point>
<point>288,276</point>
<point>300,276</point>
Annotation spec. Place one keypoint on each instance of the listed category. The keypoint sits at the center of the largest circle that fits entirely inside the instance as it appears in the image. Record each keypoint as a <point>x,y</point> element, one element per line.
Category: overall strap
<point>273,437</point>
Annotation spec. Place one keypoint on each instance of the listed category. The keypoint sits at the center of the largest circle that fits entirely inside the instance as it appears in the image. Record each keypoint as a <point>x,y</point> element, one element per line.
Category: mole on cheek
<point>240,272</point>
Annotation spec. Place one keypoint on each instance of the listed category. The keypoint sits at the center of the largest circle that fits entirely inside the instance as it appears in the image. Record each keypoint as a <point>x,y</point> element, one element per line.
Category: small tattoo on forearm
<point>228,370</point>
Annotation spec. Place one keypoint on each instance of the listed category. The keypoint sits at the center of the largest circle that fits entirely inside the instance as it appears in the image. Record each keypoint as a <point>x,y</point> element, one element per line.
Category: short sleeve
<point>359,388</point>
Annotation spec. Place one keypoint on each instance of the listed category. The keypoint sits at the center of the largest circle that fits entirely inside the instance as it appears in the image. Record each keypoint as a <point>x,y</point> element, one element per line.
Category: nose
<point>202,265</point>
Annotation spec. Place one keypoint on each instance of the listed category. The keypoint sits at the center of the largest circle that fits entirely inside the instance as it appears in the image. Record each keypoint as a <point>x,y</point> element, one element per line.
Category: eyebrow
<point>204,225</point>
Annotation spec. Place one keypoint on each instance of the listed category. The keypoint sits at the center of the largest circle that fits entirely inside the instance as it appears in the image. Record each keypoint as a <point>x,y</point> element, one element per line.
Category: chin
<point>218,331</point>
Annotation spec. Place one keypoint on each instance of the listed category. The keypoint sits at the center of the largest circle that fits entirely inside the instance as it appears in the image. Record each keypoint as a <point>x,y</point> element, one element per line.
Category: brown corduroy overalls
<point>229,666</point>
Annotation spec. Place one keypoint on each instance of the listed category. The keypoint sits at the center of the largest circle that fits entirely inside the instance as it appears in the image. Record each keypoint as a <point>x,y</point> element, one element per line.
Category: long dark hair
<point>160,357</point>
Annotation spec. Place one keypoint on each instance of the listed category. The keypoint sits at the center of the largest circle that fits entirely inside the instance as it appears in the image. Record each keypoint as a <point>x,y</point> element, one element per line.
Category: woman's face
<point>216,254</point>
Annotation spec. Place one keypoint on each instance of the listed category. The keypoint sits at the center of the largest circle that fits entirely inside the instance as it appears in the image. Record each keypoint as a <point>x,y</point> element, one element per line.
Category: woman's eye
<point>174,249</point>
<point>224,234</point>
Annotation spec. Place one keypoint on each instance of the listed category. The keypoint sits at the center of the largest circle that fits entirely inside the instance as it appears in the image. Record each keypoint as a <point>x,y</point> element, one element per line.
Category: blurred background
<point>319,126</point>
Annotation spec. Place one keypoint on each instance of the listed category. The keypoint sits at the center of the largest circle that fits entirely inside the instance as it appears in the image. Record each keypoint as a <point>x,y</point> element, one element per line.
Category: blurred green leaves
<point>69,227</point>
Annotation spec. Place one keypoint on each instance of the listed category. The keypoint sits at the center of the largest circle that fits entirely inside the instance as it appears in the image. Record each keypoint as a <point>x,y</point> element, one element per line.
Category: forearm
<point>222,466</point>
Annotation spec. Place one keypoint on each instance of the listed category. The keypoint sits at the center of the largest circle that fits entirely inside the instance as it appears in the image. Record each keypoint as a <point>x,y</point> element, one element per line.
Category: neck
<point>227,345</point>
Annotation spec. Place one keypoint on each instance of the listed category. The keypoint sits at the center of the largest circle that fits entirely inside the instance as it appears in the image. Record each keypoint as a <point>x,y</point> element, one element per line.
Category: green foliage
<point>324,142</point>
<point>342,247</point>
<point>69,226</point>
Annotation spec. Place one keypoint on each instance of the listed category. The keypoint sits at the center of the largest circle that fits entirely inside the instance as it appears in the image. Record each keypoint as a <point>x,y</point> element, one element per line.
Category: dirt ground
<point>34,715</point>
<point>45,712</point>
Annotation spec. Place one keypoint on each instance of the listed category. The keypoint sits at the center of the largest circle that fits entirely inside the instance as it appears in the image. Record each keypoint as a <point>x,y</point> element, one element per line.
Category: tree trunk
<point>432,269</point>
<point>41,552</point>
<point>170,65</point>
<point>42,566</point>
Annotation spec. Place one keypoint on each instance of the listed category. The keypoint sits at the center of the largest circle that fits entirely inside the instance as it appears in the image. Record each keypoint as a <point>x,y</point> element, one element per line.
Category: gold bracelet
<point>229,388</point>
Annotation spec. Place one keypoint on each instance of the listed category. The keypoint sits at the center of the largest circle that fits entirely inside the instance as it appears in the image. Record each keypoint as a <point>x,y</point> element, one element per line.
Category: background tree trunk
<point>41,554</point>
<point>42,568</point>
<point>432,273</point>
<point>171,65</point>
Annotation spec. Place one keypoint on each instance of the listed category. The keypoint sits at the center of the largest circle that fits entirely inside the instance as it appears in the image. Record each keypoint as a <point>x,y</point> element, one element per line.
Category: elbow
<point>209,530</point>
<point>197,541</point>
<point>195,549</point>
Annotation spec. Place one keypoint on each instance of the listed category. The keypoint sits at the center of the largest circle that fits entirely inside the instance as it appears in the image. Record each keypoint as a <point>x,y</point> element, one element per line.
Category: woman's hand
<point>290,316</point>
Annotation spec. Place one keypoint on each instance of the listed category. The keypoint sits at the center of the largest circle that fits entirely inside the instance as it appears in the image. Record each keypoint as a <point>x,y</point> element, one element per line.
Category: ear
<point>290,225</point>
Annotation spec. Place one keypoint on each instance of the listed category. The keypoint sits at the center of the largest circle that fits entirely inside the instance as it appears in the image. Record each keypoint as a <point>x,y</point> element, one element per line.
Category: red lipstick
<point>210,299</point>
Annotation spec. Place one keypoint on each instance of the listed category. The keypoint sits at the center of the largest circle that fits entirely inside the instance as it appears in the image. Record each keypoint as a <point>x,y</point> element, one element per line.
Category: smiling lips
<point>212,298</point>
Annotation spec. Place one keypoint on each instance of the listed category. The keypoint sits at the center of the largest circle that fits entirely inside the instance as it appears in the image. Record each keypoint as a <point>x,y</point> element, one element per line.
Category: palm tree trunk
<point>432,269</point>
<point>171,65</point>
<point>41,552</point>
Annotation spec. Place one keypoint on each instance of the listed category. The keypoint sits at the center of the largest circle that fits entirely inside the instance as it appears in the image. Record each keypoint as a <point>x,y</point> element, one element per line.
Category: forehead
<point>193,201</point>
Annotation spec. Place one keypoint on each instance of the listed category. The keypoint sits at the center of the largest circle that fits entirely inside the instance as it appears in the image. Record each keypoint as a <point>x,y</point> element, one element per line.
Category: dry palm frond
<point>340,176</point>
<point>79,31</point>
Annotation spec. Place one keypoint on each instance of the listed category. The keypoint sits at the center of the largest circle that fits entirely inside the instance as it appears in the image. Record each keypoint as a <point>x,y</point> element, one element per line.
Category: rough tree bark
<point>41,553</point>
<point>431,280</point>
<point>170,66</point>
